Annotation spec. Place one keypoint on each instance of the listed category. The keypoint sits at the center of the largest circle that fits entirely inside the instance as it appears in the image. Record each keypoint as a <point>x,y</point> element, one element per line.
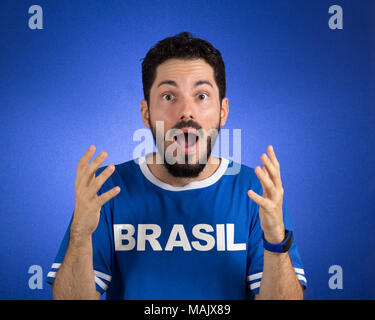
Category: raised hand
<point>87,203</point>
<point>271,201</point>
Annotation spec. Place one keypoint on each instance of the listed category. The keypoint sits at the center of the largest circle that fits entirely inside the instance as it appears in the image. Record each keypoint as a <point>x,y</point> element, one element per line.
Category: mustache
<point>185,124</point>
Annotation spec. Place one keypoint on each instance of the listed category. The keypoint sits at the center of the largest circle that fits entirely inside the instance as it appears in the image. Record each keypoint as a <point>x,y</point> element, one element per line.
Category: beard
<point>186,169</point>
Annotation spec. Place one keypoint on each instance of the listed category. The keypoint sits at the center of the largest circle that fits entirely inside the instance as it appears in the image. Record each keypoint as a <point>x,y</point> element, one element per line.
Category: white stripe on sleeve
<point>255,276</point>
<point>103,275</point>
<point>100,283</point>
<point>299,270</point>
<point>300,277</point>
<point>254,285</point>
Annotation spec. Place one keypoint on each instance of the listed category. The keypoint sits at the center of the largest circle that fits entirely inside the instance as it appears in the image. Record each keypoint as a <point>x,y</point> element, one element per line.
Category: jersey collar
<point>190,186</point>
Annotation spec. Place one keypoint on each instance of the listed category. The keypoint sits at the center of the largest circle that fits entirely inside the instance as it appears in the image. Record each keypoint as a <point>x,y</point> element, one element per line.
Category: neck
<point>161,172</point>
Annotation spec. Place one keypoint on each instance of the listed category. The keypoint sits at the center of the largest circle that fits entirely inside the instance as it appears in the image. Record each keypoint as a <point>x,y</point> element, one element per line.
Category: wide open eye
<point>168,96</point>
<point>202,96</point>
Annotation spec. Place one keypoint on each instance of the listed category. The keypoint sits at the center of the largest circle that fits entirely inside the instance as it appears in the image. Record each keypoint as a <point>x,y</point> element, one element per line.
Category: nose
<point>187,110</point>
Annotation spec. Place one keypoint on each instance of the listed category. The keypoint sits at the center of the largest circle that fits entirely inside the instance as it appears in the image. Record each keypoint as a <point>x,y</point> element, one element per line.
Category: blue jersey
<point>200,241</point>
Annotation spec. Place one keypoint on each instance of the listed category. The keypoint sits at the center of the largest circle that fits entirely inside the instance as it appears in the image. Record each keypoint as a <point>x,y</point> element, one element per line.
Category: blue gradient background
<point>292,82</point>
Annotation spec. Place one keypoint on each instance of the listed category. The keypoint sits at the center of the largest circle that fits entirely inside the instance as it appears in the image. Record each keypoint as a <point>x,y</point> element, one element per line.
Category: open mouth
<point>187,140</point>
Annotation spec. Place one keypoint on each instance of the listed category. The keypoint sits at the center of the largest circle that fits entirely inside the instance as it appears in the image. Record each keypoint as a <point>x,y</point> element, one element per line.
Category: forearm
<point>279,280</point>
<point>75,277</point>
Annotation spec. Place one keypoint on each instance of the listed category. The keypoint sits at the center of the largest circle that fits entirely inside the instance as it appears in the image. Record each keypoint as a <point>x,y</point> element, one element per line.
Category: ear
<point>224,110</point>
<point>145,113</point>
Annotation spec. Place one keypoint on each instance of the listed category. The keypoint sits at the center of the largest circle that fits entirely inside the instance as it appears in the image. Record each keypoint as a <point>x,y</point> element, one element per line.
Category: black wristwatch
<point>280,247</point>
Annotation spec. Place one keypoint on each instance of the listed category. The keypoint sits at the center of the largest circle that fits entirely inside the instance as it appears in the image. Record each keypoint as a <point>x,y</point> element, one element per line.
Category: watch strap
<point>284,246</point>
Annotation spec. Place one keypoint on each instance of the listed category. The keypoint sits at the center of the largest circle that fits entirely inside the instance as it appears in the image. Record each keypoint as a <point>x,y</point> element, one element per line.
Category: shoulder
<point>244,174</point>
<point>124,172</point>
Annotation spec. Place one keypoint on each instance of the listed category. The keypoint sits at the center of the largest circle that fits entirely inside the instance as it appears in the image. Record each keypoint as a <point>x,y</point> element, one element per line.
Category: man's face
<point>185,96</point>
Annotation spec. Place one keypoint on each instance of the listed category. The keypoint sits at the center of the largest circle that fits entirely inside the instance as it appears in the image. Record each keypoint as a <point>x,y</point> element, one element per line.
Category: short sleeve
<point>256,250</point>
<point>102,250</point>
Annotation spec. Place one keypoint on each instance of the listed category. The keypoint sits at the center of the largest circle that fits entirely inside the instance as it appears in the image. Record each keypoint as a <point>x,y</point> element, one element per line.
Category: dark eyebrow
<point>174,84</point>
<point>170,82</point>
<point>200,82</point>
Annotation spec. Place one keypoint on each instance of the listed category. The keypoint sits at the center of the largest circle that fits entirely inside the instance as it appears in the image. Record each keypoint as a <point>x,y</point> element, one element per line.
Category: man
<point>173,224</point>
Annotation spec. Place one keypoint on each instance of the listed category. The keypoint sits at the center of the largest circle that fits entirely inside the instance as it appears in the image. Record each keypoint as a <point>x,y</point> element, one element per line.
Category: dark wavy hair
<point>182,46</point>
